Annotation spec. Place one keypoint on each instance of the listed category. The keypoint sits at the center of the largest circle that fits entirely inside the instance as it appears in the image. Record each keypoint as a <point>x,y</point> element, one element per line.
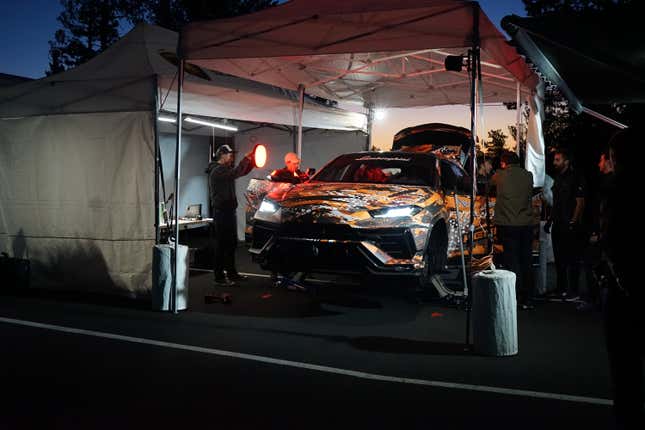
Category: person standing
<point>515,222</point>
<point>221,181</point>
<point>592,254</point>
<point>564,223</point>
<point>624,316</point>
<point>291,172</point>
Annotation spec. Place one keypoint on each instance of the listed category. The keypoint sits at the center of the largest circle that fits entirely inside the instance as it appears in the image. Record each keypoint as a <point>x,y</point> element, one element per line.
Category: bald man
<point>291,172</point>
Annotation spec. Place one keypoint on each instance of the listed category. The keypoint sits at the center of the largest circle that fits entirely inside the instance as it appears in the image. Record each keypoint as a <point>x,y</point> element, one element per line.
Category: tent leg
<point>518,119</point>
<point>475,77</point>
<point>156,129</point>
<point>370,125</point>
<point>301,105</point>
<point>175,265</point>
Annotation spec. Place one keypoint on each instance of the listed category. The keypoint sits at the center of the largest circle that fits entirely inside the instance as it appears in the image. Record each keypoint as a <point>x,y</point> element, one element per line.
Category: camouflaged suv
<point>380,213</point>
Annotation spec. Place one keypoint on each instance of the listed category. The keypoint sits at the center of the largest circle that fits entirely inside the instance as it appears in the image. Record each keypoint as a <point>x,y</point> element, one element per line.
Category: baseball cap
<point>224,149</point>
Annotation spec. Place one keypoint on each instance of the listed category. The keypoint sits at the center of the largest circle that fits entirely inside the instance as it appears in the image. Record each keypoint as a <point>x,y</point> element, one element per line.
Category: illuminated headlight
<point>397,212</point>
<point>269,211</point>
<point>420,234</point>
<point>268,207</point>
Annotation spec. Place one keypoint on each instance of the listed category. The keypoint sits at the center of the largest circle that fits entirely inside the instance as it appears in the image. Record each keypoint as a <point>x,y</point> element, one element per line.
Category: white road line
<point>327,369</point>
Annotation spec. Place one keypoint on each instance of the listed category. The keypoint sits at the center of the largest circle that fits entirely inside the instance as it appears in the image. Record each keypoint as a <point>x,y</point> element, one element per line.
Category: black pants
<point>624,325</point>
<point>518,251</point>
<point>592,258</point>
<point>568,246</point>
<point>225,242</point>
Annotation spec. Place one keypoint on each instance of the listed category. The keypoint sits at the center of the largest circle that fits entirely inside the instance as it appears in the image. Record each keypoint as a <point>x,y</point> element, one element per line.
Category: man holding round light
<point>221,181</point>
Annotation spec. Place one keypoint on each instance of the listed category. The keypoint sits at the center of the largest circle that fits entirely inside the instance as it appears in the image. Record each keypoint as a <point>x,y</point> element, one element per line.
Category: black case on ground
<point>14,272</point>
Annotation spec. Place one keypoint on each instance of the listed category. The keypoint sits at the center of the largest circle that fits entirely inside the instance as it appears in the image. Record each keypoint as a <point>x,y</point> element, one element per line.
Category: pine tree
<point>89,27</point>
<point>495,144</point>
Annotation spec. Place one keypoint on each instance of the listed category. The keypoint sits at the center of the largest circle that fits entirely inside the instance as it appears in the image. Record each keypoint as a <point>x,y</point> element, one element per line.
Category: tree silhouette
<point>91,26</point>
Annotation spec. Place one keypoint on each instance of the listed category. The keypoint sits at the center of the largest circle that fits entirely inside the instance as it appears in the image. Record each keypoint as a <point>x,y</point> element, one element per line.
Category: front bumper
<point>334,248</point>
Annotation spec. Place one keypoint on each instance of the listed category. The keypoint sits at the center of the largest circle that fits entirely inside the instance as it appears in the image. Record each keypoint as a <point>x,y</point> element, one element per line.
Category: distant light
<point>380,114</point>
<point>167,119</point>
<point>210,124</point>
<point>259,155</point>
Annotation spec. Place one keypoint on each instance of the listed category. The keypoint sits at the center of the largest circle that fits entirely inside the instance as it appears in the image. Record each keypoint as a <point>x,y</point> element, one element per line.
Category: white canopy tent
<point>377,51</point>
<point>380,53</point>
<point>121,79</point>
<point>78,156</point>
<point>373,53</point>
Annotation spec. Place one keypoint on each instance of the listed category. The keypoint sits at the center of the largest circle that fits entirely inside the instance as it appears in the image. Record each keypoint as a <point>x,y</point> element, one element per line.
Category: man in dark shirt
<point>592,252</point>
<point>291,172</point>
<point>221,181</point>
<point>565,223</point>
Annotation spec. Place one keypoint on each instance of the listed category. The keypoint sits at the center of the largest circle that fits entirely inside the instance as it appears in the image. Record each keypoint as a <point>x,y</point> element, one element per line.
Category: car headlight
<point>395,212</point>
<point>268,207</point>
<point>269,211</point>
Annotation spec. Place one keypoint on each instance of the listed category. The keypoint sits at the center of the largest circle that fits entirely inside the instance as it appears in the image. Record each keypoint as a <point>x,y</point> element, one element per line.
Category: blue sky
<point>26,26</point>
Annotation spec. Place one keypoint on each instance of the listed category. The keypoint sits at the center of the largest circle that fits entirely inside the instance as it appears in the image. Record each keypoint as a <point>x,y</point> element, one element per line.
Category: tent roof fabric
<point>389,53</point>
<point>121,79</point>
<point>598,62</point>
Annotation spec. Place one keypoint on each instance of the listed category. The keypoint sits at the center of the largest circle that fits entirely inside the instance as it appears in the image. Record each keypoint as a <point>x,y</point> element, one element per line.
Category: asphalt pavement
<point>360,355</point>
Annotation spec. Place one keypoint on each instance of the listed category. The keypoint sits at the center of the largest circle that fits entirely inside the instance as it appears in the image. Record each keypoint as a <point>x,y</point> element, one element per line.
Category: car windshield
<point>381,168</point>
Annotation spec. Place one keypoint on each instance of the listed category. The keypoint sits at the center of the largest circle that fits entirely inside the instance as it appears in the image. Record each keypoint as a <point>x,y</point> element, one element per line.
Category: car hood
<point>348,202</point>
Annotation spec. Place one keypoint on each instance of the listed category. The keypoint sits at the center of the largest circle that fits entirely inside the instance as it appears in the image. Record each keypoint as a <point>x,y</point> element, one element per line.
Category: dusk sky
<point>27,25</point>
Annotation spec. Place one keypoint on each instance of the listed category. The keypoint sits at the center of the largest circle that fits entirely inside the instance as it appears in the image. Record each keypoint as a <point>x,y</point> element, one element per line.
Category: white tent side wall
<point>535,147</point>
<point>77,198</point>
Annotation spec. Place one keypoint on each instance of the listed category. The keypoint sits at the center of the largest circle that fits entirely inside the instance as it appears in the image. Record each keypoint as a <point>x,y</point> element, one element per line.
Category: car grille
<point>397,242</point>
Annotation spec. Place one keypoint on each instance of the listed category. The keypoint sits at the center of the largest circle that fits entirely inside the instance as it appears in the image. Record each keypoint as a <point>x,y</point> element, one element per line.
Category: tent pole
<point>518,118</point>
<point>175,265</point>
<point>604,118</point>
<point>475,77</point>
<point>301,105</point>
<point>370,125</point>
<point>156,129</point>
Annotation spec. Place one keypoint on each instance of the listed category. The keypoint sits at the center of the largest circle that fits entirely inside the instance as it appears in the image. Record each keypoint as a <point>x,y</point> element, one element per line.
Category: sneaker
<point>295,287</point>
<point>568,297</point>
<point>585,307</point>
<point>237,277</point>
<point>224,282</point>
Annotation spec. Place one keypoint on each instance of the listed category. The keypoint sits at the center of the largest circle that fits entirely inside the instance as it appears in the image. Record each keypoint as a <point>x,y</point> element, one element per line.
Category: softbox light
<point>259,155</point>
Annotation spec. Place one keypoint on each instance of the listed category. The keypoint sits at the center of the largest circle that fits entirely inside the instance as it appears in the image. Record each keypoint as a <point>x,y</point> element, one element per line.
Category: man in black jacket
<point>221,181</point>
